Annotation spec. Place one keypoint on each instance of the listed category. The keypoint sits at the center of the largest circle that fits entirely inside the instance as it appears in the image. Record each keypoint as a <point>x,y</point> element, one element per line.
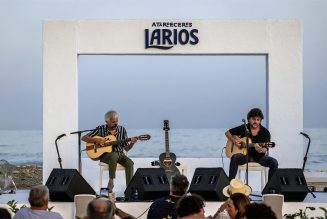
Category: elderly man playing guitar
<point>98,137</point>
<point>259,135</point>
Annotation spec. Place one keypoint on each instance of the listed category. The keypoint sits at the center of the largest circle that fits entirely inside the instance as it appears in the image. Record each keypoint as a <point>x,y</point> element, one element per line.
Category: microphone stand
<point>306,153</point>
<point>59,158</point>
<point>247,133</point>
<point>305,158</point>
<point>247,157</point>
<point>79,147</point>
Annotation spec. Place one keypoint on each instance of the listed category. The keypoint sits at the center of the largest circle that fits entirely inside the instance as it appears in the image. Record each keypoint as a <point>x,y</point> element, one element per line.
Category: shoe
<point>110,185</point>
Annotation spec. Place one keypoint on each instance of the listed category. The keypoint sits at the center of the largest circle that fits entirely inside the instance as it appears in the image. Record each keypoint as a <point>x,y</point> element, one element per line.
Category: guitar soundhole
<point>168,163</point>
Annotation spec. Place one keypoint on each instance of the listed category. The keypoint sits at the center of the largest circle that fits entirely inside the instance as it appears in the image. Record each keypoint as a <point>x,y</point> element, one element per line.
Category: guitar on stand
<point>167,160</point>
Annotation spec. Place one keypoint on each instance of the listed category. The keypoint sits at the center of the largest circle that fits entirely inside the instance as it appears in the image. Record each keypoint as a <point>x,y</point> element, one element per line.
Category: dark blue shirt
<point>163,208</point>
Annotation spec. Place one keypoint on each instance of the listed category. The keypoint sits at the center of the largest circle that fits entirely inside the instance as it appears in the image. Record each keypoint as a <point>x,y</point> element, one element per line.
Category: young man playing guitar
<point>117,155</point>
<point>258,134</point>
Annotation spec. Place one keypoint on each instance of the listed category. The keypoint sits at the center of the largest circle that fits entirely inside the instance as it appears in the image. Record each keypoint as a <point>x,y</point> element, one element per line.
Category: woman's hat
<point>237,186</point>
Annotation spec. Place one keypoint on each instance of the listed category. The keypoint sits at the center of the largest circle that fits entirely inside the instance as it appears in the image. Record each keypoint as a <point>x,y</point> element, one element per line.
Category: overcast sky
<point>190,91</point>
<point>175,93</point>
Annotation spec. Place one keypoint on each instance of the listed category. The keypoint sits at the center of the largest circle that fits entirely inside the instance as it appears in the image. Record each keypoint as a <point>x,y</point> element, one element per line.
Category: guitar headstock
<point>268,145</point>
<point>166,125</point>
<point>144,137</point>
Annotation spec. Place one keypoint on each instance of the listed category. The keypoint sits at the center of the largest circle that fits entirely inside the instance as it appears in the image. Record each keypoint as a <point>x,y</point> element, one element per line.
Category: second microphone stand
<point>59,158</point>
<point>247,156</point>
<point>306,153</point>
<point>79,147</point>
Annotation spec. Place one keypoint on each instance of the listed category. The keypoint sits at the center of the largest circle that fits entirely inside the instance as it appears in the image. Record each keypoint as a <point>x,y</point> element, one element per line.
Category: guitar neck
<point>264,145</point>
<point>118,141</point>
<point>167,143</point>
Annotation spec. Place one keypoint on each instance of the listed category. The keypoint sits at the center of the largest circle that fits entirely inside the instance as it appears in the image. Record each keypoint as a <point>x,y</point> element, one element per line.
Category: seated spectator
<point>38,199</point>
<point>4,214</point>
<point>166,207</point>
<point>103,208</point>
<point>234,207</point>
<point>259,211</point>
<point>190,207</point>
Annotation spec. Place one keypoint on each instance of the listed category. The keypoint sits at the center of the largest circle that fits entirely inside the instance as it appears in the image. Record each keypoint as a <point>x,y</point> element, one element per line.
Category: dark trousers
<point>240,159</point>
<point>113,158</point>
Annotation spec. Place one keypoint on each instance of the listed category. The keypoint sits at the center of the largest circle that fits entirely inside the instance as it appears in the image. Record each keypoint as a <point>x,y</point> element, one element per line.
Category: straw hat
<point>236,186</point>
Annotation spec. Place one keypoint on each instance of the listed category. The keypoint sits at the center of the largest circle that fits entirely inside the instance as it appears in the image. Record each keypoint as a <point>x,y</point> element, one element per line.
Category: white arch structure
<point>279,40</point>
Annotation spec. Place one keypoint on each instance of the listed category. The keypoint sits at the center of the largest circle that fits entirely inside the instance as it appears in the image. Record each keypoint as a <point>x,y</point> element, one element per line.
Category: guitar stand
<point>182,169</point>
<point>156,163</point>
<point>177,164</point>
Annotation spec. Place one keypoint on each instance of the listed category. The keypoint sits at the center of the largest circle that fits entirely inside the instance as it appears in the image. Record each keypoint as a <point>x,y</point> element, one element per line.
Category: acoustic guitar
<point>167,160</point>
<point>96,151</point>
<point>232,149</point>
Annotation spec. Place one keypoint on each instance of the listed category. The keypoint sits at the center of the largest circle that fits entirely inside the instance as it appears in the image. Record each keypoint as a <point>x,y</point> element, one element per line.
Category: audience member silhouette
<point>166,207</point>
<point>190,206</point>
<point>259,211</point>
<point>4,214</point>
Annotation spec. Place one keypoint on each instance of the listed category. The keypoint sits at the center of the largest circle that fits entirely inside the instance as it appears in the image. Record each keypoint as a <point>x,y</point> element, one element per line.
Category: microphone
<point>305,135</point>
<point>246,128</point>
<point>60,136</point>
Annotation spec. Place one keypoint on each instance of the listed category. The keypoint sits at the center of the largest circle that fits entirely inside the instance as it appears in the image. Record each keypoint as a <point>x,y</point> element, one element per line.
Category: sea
<point>25,146</point>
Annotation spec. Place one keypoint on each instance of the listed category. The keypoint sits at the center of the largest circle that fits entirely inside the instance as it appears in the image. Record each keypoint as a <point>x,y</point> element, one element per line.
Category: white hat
<point>237,186</point>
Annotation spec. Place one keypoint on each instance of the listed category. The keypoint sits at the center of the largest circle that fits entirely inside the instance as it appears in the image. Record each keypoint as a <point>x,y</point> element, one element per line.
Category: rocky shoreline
<point>27,176</point>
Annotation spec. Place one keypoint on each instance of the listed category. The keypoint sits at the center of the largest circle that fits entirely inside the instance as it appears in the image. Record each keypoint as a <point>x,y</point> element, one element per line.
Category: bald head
<point>100,208</point>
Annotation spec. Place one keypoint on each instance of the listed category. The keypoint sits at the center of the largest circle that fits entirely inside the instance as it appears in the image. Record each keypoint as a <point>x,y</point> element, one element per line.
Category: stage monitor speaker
<point>64,184</point>
<point>290,182</point>
<point>209,183</point>
<point>147,184</point>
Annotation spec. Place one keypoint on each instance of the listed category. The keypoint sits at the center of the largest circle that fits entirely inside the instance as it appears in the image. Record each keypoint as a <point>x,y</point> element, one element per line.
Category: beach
<point>27,176</point>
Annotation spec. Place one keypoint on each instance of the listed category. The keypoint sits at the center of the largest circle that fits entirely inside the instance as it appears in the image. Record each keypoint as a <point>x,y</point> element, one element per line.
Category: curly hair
<point>255,112</point>
<point>188,205</point>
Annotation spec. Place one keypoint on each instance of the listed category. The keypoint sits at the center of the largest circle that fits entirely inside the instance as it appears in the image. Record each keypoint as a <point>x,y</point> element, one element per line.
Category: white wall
<point>280,40</point>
